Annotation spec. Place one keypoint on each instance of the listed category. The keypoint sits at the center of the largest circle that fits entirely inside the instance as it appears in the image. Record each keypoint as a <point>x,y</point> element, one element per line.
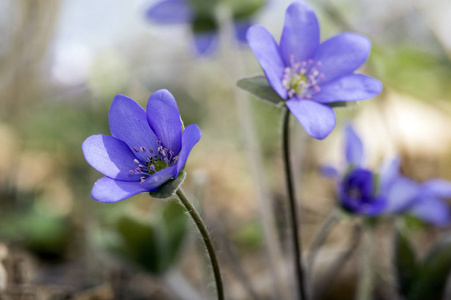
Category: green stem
<point>365,284</point>
<point>207,241</point>
<point>292,201</point>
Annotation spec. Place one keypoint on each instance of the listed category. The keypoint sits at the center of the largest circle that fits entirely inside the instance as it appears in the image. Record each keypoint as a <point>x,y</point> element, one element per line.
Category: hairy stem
<point>207,241</point>
<point>299,276</point>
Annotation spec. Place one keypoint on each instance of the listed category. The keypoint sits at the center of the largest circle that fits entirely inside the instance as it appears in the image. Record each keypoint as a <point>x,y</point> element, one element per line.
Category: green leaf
<point>433,273</point>
<point>170,187</point>
<point>260,88</point>
<point>154,245</point>
<point>405,261</point>
<point>243,10</point>
<point>140,244</point>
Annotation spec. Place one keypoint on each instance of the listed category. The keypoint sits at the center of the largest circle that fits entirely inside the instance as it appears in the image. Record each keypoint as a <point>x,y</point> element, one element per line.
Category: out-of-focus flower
<point>310,74</point>
<point>425,200</point>
<point>202,20</point>
<point>361,191</point>
<point>146,149</point>
<point>357,193</point>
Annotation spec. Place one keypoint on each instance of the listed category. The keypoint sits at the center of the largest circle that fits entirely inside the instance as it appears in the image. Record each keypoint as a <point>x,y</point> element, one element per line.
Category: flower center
<point>154,161</point>
<point>301,78</point>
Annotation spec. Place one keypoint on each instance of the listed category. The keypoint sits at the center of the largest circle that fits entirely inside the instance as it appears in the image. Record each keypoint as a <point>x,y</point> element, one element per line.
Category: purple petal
<point>389,173</point>
<point>241,28</point>
<point>432,210</point>
<point>300,35</point>
<point>108,190</point>
<point>206,42</point>
<point>190,136</point>
<point>154,181</point>
<point>328,171</point>
<point>267,52</point>
<point>341,55</point>
<point>170,12</point>
<point>164,119</point>
<point>402,194</point>
<point>110,156</point>
<point>317,119</point>
<point>128,122</point>
<point>352,87</point>
<point>354,147</point>
<point>375,208</point>
<point>437,188</point>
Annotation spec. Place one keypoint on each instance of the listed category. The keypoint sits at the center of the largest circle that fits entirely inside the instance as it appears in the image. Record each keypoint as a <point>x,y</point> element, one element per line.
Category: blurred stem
<point>322,235</point>
<point>332,273</point>
<point>292,202</point>
<point>366,276</point>
<point>236,65</point>
<point>180,286</point>
<point>207,241</point>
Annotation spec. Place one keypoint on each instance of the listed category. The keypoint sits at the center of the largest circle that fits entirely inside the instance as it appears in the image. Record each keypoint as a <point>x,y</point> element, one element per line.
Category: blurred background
<point>62,63</point>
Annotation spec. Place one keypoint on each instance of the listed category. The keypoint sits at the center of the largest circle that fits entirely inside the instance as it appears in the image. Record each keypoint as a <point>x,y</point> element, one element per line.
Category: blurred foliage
<point>249,235</point>
<point>426,278</point>
<point>45,234</point>
<point>414,71</point>
<point>155,244</point>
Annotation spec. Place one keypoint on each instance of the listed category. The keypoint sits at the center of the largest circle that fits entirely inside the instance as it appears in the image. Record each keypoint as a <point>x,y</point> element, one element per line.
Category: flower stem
<point>320,238</point>
<point>365,284</point>
<point>207,241</point>
<point>292,200</point>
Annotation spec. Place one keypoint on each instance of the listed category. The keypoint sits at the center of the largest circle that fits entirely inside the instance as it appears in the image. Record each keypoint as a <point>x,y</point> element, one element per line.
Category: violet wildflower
<point>310,74</point>
<point>361,191</point>
<point>425,201</point>
<point>204,26</point>
<point>145,149</point>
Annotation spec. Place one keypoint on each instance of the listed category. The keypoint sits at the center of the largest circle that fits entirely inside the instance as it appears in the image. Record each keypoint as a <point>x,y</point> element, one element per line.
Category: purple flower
<point>358,189</point>
<point>145,149</point>
<point>426,200</point>
<point>358,193</point>
<point>205,29</point>
<point>361,191</point>
<point>310,74</point>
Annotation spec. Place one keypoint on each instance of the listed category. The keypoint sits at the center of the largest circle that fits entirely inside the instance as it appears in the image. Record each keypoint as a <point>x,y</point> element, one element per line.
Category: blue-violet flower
<point>145,149</point>
<point>204,29</point>
<point>361,191</point>
<point>310,74</point>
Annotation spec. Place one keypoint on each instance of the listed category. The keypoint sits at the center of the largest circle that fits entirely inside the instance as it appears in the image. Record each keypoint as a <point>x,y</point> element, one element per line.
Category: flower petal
<point>154,181</point>
<point>389,173</point>
<point>190,136</point>
<point>341,55</point>
<point>300,35</point>
<point>432,210</point>
<point>317,119</point>
<point>128,122</point>
<point>170,12</point>
<point>267,52</point>
<point>110,156</point>
<point>354,147</point>
<point>437,188</point>
<point>241,27</point>
<point>375,208</point>
<point>354,87</point>
<point>328,171</point>
<point>205,42</point>
<point>402,194</point>
<point>164,119</point>
<point>108,190</point>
